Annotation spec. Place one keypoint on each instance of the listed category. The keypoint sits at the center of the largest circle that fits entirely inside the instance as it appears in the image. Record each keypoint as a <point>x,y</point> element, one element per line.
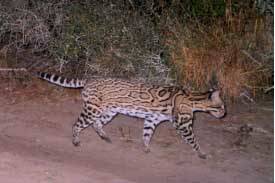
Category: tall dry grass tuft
<point>233,56</point>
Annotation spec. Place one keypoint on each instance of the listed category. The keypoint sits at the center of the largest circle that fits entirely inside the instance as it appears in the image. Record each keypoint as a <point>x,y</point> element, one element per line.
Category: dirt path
<point>35,145</point>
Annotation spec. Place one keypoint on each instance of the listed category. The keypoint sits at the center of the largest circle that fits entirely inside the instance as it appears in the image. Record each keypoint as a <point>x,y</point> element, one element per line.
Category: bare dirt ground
<point>35,144</point>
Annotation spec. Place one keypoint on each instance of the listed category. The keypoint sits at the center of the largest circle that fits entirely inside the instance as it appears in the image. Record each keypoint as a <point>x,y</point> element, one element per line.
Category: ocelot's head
<point>209,102</point>
<point>215,105</point>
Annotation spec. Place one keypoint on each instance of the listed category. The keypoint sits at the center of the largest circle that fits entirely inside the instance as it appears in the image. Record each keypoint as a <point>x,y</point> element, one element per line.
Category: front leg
<point>184,125</point>
<point>148,131</point>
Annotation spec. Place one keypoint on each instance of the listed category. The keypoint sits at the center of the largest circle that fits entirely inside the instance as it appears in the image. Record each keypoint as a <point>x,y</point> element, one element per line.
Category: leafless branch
<point>13,69</point>
<point>268,89</point>
<point>252,58</point>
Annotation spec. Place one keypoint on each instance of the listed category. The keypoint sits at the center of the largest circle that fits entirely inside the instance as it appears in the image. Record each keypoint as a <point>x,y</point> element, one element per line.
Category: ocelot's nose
<point>219,113</point>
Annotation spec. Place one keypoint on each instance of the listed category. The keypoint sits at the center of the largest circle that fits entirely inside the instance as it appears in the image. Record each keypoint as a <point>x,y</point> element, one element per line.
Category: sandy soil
<point>35,144</point>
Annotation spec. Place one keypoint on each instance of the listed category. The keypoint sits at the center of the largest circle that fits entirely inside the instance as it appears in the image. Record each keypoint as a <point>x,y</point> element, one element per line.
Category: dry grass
<point>229,55</point>
<point>151,41</point>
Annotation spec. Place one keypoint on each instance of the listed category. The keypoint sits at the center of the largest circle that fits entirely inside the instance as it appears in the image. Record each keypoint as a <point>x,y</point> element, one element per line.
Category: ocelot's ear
<point>215,98</point>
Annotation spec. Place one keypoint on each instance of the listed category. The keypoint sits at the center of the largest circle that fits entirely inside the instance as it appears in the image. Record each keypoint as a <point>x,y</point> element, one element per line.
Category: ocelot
<point>105,98</point>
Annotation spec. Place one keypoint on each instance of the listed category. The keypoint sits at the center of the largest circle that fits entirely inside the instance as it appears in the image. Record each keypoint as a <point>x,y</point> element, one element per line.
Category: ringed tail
<point>62,81</point>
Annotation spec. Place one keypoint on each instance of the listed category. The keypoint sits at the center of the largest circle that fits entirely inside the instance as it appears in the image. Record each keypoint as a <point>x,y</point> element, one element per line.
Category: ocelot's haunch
<point>105,98</point>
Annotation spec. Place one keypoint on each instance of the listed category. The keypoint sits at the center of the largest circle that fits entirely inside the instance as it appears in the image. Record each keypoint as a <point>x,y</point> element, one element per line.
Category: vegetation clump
<point>196,44</point>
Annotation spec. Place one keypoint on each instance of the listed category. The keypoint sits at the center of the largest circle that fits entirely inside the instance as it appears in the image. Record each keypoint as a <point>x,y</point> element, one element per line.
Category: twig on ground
<point>268,89</point>
<point>246,95</point>
<point>13,69</point>
<point>253,59</point>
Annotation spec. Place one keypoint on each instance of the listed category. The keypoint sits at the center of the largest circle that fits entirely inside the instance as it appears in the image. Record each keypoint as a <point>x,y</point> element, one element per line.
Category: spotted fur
<point>105,98</point>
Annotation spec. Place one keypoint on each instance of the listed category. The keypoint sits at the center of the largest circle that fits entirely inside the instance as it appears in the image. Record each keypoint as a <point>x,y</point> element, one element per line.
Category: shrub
<point>233,52</point>
<point>198,44</point>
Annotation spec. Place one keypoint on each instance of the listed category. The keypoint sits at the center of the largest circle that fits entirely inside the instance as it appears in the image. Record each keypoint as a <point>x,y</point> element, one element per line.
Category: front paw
<point>76,142</point>
<point>107,139</point>
<point>202,155</point>
<point>146,149</point>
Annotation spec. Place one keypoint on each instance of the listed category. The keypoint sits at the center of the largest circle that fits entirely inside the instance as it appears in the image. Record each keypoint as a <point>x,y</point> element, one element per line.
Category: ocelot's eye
<point>185,118</point>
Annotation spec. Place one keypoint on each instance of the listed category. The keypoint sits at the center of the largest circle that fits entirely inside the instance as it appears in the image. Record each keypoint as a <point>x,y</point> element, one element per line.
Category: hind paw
<point>106,139</point>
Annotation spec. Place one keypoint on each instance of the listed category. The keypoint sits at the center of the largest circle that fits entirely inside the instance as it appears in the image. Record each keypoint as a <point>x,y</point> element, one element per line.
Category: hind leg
<point>82,122</point>
<point>88,116</point>
<point>91,115</point>
<point>104,119</point>
<point>98,127</point>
